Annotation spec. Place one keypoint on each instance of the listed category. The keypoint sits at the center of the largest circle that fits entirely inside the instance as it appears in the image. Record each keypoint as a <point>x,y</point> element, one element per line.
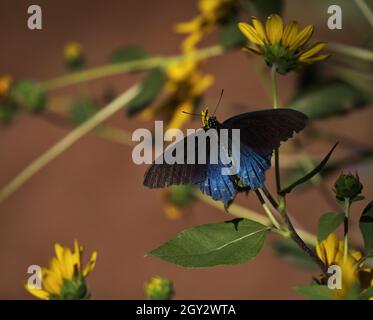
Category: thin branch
<point>67,142</point>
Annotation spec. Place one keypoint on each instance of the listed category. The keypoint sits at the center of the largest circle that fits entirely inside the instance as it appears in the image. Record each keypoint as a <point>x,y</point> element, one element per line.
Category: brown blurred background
<point>93,191</point>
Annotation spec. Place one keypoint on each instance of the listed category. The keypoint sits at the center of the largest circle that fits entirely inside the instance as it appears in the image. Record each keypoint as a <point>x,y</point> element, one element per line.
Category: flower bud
<point>73,54</point>
<point>159,288</point>
<point>347,186</point>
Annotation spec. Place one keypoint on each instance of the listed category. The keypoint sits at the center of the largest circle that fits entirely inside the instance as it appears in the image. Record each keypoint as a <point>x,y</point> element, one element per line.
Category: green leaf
<point>150,88</point>
<point>127,54</point>
<point>81,110</point>
<point>366,227</point>
<point>29,95</point>
<point>366,294</point>
<point>329,99</point>
<point>294,173</point>
<point>8,110</point>
<point>328,222</point>
<point>208,245</point>
<point>264,8</point>
<point>231,36</point>
<point>289,251</point>
<point>315,292</point>
<point>309,175</point>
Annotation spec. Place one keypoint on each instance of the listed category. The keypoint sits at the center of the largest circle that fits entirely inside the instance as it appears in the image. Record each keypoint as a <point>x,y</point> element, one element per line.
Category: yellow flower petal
<point>290,32</point>
<point>328,249</point>
<point>90,265</point>
<point>179,118</point>
<point>321,57</point>
<point>314,49</point>
<point>253,50</point>
<point>190,26</point>
<point>201,85</point>
<point>190,42</point>
<point>274,28</point>
<point>259,29</point>
<point>38,293</point>
<point>250,33</point>
<point>68,262</point>
<point>181,70</point>
<point>302,37</point>
<point>51,282</point>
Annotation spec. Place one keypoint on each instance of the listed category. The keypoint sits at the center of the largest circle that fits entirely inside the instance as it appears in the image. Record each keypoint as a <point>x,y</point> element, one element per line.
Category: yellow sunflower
<point>354,275</point>
<point>282,46</point>
<point>65,277</point>
<point>184,87</point>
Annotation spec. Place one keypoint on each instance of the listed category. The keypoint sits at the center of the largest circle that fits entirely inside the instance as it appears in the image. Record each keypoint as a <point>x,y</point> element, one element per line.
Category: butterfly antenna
<point>217,105</point>
<point>191,114</point>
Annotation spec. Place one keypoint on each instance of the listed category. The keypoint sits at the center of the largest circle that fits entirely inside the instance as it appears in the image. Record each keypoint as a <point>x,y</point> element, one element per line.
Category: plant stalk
<point>67,142</point>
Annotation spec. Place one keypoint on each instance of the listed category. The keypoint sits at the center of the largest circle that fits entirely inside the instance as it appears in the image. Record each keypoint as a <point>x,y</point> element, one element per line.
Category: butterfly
<point>260,133</point>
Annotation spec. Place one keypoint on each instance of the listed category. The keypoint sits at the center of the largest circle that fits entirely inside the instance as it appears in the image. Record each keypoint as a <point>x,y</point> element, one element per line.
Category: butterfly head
<point>207,121</point>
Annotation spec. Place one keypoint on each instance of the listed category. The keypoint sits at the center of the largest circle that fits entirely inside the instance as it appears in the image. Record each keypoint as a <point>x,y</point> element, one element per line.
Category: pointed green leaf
<point>150,88</point>
<point>309,175</point>
<point>127,54</point>
<point>208,245</point>
<point>315,292</point>
<point>81,110</point>
<point>366,294</point>
<point>366,227</point>
<point>328,222</point>
<point>329,99</point>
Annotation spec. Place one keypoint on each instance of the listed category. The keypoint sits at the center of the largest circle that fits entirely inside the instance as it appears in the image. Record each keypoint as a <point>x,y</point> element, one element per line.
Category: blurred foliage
<point>81,110</point>
<point>127,54</point>
<point>288,250</point>
<point>150,88</point>
<point>328,99</point>
<point>264,8</point>
<point>29,95</point>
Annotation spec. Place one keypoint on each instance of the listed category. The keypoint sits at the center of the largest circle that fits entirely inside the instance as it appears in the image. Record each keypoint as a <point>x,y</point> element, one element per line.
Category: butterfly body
<point>260,132</point>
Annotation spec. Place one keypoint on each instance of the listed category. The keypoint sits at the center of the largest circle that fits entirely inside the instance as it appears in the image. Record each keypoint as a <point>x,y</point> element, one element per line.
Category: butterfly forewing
<point>161,175</point>
<point>264,130</point>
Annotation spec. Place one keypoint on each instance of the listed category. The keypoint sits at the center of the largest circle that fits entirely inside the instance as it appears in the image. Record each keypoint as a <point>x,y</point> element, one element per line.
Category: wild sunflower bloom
<point>184,87</point>
<point>65,277</point>
<point>212,12</point>
<point>283,46</point>
<point>354,275</point>
<point>73,54</point>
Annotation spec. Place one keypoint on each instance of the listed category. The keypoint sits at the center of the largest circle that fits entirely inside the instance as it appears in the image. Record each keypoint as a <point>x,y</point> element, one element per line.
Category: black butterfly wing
<point>163,175</point>
<point>264,130</point>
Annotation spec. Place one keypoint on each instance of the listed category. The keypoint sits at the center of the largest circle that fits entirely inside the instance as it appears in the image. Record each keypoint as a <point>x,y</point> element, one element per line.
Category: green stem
<point>67,142</point>
<point>275,106</point>
<point>296,237</point>
<point>138,65</point>
<point>346,219</point>
<point>268,211</point>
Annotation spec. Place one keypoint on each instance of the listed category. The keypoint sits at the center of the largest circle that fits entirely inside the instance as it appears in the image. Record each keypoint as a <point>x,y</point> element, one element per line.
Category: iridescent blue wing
<point>218,186</point>
<point>252,168</point>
